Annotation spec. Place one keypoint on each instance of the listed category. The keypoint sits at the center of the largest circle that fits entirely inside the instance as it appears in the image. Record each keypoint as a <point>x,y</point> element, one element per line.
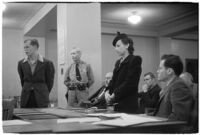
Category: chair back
<point>8,106</point>
<point>194,118</point>
<point>16,101</point>
<point>149,111</point>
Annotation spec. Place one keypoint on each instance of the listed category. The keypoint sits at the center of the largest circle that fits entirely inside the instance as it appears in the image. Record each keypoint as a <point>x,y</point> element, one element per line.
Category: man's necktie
<point>78,75</point>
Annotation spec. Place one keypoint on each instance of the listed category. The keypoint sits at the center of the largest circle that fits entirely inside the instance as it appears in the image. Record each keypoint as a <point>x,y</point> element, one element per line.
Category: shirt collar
<point>80,62</point>
<point>171,80</point>
<point>123,58</point>
<point>40,58</point>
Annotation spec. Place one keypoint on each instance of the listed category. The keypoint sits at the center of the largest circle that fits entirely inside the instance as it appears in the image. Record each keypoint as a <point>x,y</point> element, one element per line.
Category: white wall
<point>61,41</point>
<point>51,54</point>
<point>164,46</point>
<point>109,55</point>
<point>147,48</point>
<point>12,52</point>
<point>185,49</point>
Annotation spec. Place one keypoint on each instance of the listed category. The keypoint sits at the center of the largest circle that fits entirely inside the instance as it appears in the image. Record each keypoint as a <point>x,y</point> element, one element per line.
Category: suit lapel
<point>27,67</point>
<point>119,66</point>
<point>38,66</point>
<point>97,92</point>
<point>166,89</point>
<point>163,93</point>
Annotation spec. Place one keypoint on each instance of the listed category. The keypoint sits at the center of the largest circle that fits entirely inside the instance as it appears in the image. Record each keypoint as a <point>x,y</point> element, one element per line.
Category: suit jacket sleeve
<point>141,94</point>
<point>66,78</point>
<point>131,80</point>
<point>90,76</point>
<point>50,71</point>
<point>181,101</point>
<point>151,101</point>
<point>21,75</point>
<point>96,93</point>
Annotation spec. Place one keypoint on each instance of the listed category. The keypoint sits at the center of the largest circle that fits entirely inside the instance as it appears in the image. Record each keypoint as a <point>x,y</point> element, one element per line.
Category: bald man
<point>98,98</point>
<point>188,79</point>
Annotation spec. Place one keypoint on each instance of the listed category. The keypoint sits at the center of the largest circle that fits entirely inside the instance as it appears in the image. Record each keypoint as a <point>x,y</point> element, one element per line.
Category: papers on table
<point>107,115</point>
<point>92,110</point>
<point>127,120</point>
<point>31,113</point>
<point>61,112</point>
<point>15,122</point>
<point>112,119</point>
<point>24,111</point>
<point>85,119</point>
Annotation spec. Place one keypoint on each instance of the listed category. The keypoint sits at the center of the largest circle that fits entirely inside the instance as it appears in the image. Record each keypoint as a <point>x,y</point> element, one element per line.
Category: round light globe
<point>135,19</point>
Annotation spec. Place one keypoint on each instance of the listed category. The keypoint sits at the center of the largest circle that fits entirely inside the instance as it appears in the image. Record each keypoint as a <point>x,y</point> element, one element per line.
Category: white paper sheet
<point>15,122</point>
<point>108,115</point>
<point>85,119</point>
<point>61,112</point>
<point>127,120</point>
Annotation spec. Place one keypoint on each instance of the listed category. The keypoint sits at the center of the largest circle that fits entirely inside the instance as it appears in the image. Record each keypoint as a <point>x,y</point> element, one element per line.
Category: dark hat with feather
<point>119,37</point>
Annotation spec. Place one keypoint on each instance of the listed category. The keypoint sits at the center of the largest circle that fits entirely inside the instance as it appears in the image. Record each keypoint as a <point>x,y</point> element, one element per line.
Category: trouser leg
<point>82,96</point>
<point>72,101</point>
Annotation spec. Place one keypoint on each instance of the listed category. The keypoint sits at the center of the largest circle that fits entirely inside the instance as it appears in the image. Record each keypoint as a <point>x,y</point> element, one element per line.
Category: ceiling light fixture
<point>134,18</point>
<point>3,6</point>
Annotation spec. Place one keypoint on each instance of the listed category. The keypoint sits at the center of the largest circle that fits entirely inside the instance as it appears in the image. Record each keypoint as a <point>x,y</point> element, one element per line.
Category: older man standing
<point>176,98</point>
<point>78,79</point>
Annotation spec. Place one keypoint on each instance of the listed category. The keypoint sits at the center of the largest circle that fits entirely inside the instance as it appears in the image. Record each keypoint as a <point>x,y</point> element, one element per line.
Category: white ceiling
<point>151,14</point>
<point>16,15</point>
<point>154,15</point>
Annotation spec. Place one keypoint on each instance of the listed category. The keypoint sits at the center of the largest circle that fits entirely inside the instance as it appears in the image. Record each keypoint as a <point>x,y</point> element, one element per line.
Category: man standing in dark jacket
<point>123,88</point>
<point>36,75</point>
<point>149,96</point>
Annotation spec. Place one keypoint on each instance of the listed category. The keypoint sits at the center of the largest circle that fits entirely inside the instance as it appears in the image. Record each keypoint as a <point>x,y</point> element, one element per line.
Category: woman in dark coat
<point>123,88</point>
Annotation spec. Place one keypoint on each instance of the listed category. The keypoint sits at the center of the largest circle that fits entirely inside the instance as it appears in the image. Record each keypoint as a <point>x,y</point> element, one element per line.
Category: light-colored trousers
<point>75,97</point>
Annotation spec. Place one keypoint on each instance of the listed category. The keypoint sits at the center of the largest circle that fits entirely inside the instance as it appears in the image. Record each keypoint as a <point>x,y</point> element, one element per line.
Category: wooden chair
<point>16,101</point>
<point>8,106</point>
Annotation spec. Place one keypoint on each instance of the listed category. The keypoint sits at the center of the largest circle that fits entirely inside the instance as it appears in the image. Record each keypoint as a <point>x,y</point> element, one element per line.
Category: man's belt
<point>79,87</point>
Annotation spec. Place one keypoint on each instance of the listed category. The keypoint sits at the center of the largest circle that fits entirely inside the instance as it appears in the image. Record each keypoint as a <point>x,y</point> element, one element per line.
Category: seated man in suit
<point>188,79</point>
<point>98,98</point>
<point>149,96</point>
<point>176,99</point>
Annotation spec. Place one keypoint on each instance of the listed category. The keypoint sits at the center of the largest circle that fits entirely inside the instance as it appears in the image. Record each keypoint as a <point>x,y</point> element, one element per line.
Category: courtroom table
<point>51,125</point>
<point>30,128</point>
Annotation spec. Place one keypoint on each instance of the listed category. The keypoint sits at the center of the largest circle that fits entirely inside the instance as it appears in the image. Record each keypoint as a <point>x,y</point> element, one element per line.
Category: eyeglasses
<point>147,79</point>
